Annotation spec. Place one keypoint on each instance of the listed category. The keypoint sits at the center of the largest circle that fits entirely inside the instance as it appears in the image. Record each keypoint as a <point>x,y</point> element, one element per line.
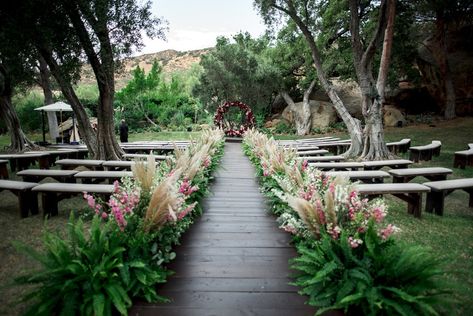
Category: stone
<point>323,114</point>
<point>272,123</point>
<point>393,117</point>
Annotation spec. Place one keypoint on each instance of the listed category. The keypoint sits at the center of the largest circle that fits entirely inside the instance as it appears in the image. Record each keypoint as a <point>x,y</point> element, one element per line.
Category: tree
<point>238,71</point>
<point>18,140</point>
<point>104,31</point>
<point>45,83</point>
<point>368,143</point>
<point>15,70</point>
<point>135,97</point>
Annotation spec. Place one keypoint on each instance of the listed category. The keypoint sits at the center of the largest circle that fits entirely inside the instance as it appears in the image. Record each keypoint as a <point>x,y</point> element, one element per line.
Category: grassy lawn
<point>449,237</point>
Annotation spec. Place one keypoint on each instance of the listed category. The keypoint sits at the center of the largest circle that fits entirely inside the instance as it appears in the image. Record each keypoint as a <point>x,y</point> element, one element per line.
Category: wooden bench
<point>408,192</point>
<point>336,147</point>
<point>99,176</point>
<point>52,193</point>
<point>3,169</point>
<point>440,189</point>
<point>401,146</point>
<point>67,164</point>
<point>316,152</point>
<point>304,147</point>
<point>324,159</point>
<point>144,156</point>
<point>406,175</point>
<point>418,153</point>
<point>23,161</point>
<point>28,200</point>
<point>391,163</point>
<point>36,175</point>
<point>53,155</point>
<point>117,165</point>
<point>325,166</point>
<point>463,158</point>
<point>370,176</point>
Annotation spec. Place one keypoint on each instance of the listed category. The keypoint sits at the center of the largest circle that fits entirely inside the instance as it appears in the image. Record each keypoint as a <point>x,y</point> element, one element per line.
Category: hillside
<point>171,61</point>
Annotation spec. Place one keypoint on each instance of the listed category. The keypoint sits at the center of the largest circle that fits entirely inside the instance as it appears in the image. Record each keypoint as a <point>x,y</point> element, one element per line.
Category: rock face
<point>348,91</point>
<point>323,114</point>
<point>393,117</point>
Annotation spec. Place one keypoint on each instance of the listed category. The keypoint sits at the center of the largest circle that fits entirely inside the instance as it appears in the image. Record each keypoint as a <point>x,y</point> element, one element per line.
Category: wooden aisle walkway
<point>234,259</point>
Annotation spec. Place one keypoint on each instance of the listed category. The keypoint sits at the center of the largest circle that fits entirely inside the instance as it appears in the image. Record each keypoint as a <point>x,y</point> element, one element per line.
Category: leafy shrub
<point>87,274</point>
<point>284,128</point>
<point>376,278</point>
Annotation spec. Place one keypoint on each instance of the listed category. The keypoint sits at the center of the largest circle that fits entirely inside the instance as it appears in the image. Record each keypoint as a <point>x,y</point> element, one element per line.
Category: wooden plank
<point>234,259</point>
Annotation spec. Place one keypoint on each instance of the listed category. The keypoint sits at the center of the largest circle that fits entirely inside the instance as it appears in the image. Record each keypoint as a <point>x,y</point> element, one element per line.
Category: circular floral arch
<point>230,128</point>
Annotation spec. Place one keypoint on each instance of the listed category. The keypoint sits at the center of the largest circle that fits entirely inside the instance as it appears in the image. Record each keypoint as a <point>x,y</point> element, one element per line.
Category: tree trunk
<point>86,131</point>
<point>18,140</point>
<point>444,68</point>
<point>44,75</point>
<point>374,144</point>
<point>353,125</point>
<point>103,67</point>
<point>302,117</point>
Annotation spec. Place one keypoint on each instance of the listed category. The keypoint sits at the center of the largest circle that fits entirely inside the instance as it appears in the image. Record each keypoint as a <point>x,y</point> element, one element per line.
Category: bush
<point>284,128</point>
<point>376,278</point>
<point>88,274</point>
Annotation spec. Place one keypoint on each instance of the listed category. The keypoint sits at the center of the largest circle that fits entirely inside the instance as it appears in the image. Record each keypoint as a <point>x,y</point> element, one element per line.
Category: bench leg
<point>50,204</point>
<point>24,203</point>
<point>435,201</point>
<point>459,162</point>
<point>414,202</point>
<point>3,171</point>
<point>414,156</point>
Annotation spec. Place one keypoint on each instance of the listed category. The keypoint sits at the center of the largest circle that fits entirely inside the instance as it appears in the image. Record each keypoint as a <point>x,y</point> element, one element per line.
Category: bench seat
<point>145,156</point>
<point>52,193</point>
<point>74,163</point>
<point>408,192</point>
<point>36,175</point>
<point>440,189</point>
<point>425,152</point>
<point>117,165</point>
<point>316,152</point>
<point>406,175</point>
<point>28,200</point>
<point>391,163</point>
<point>23,161</point>
<point>324,159</point>
<point>337,165</point>
<point>463,158</point>
<point>370,176</point>
<point>401,146</point>
<point>4,169</point>
<point>99,176</point>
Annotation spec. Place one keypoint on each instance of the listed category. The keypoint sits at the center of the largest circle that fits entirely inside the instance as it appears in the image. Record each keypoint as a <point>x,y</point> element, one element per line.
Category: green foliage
<point>238,71</point>
<point>149,99</point>
<point>377,278</point>
<point>88,274</point>
<point>25,105</point>
<point>284,128</point>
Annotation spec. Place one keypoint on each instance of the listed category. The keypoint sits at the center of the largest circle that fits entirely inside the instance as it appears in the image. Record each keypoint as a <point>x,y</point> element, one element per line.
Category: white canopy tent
<point>52,120</point>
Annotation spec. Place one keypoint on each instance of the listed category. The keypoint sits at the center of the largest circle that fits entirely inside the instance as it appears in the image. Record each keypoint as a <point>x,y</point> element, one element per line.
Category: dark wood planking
<point>234,259</point>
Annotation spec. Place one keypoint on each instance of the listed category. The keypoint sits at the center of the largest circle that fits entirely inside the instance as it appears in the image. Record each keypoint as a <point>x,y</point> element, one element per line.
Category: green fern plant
<point>378,278</point>
<point>86,274</point>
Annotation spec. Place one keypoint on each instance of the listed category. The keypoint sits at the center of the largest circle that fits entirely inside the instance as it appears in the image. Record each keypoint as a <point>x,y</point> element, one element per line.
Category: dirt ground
<point>29,231</point>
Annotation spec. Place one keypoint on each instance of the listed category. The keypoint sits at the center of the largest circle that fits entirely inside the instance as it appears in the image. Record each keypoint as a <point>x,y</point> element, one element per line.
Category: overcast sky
<point>195,24</point>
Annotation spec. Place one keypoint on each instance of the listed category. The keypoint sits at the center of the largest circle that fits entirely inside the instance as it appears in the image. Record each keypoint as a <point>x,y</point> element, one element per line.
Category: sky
<point>195,24</point>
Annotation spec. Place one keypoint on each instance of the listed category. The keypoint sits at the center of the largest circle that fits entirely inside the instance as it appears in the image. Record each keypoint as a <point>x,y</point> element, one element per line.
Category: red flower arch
<point>232,131</point>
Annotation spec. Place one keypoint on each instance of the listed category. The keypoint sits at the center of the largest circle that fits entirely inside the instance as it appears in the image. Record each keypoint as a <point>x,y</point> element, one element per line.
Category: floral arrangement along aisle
<point>124,250</point>
<point>348,258</point>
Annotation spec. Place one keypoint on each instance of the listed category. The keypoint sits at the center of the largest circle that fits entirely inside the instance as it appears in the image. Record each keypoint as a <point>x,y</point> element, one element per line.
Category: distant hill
<point>171,60</point>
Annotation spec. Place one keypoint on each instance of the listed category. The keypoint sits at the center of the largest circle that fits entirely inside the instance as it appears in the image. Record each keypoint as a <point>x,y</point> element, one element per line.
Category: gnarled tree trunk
<point>45,83</point>
<point>18,140</point>
<point>85,129</point>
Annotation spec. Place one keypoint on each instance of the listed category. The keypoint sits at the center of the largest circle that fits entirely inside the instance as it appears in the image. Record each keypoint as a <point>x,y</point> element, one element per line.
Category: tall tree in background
<point>15,70</point>
<point>102,30</point>
<point>368,143</point>
<point>45,83</point>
